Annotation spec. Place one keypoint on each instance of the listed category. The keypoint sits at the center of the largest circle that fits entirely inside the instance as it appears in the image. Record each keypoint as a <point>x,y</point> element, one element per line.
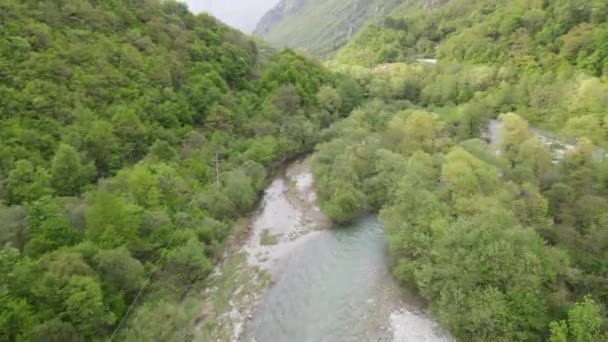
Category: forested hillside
<point>320,27</point>
<point>507,241</point>
<point>132,134</point>
<point>527,34</point>
<point>549,57</point>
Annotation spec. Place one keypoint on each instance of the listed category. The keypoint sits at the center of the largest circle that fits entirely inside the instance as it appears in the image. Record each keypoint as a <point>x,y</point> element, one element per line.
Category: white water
<point>558,147</point>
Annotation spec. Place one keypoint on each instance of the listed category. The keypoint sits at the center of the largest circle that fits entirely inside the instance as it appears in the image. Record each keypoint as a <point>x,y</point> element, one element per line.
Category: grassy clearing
<point>268,239</point>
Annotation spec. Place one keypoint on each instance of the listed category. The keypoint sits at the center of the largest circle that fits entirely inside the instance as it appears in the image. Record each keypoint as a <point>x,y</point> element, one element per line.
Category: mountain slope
<point>132,135</point>
<point>318,26</point>
<point>243,14</point>
<point>553,55</point>
<point>529,34</point>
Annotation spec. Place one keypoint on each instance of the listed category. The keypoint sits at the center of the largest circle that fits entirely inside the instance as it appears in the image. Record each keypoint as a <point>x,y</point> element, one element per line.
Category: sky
<point>242,14</point>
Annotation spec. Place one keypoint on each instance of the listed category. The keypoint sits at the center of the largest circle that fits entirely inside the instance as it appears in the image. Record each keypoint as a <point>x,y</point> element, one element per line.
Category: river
<point>558,147</point>
<point>326,284</point>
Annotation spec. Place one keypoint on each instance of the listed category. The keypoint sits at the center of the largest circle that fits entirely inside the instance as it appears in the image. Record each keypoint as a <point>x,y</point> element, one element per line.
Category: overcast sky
<point>242,14</point>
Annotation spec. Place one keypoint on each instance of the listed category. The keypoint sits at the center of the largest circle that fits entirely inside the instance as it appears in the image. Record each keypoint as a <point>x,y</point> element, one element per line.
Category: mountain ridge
<point>320,27</point>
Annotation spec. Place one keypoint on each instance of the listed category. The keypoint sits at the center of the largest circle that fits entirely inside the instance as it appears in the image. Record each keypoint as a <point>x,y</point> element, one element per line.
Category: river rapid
<point>326,284</point>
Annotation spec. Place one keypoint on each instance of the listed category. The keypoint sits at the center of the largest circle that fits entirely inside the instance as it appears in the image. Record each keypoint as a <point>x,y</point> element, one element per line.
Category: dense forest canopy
<point>507,241</point>
<point>132,134</point>
<point>546,59</point>
<point>529,34</point>
<point>505,247</point>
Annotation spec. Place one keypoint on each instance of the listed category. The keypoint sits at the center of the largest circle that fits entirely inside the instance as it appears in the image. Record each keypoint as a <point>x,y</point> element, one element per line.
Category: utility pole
<point>217,170</point>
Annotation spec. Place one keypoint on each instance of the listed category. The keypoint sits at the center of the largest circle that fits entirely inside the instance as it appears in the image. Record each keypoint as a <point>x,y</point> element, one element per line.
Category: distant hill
<point>241,14</point>
<point>318,26</point>
<point>531,34</point>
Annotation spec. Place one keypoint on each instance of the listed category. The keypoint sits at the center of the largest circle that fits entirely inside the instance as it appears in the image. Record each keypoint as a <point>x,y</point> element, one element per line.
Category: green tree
<point>588,126</point>
<point>119,270</point>
<point>286,98</point>
<point>346,203</point>
<point>351,94</point>
<point>162,151</point>
<point>112,222</point>
<point>56,330</point>
<point>591,97</point>
<point>511,307</point>
<point>84,306</point>
<point>156,320</point>
<point>26,183</point>
<point>188,262</point>
<point>103,146</point>
<point>514,132</point>
<point>220,117</point>
<point>465,175</point>
<point>141,183</point>
<point>48,227</point>
<point>329,99</point>
<point>532,163</point>
<point>13,227</point>
<point>68,174</point>
<point>132,134</point>
<point>239,190</point>
<point>17,318</point>
<point>583,324</point>
<point>420,131</point>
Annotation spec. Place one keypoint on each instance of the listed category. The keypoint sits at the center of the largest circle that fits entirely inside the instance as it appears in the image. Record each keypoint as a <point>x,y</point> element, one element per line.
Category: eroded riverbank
<point>296,280</point>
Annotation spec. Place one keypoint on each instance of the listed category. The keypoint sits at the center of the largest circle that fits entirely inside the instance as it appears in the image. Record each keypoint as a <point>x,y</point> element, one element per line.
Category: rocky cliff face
<point>282,10</point>
<point>433,4</point>
<point>242,14</point>
<point>320,26</point>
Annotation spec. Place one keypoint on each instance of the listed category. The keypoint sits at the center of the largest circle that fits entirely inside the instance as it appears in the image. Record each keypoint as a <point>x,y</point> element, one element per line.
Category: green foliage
<point>468,227</point>
<point>48,227</point>
<point>156,320</point>
<point>346,203</point>
<point>56,331</point>
<point>112,114</point>
<point>189,261</point>
<point>12,230</point>
<point>120,108</point>
<point>268,239</point>
<point>16,319</point>
<point>351,94</point>
<point>26,183</point>
<point>329,99</point>
<point>499,238</point>
<point>68,174</point>
<point>583,324</point>
<point>103,147</point>
<point>239,189</point>
<point>112,222</point>
<point>529,35</point>
<point>419,131</point>
<point>119,270</point>
<point>131,112</point>
<point>84,306</point>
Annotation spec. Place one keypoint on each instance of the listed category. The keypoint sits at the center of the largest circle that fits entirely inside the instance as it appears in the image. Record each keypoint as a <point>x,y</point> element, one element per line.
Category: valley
<point>387,170</point>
